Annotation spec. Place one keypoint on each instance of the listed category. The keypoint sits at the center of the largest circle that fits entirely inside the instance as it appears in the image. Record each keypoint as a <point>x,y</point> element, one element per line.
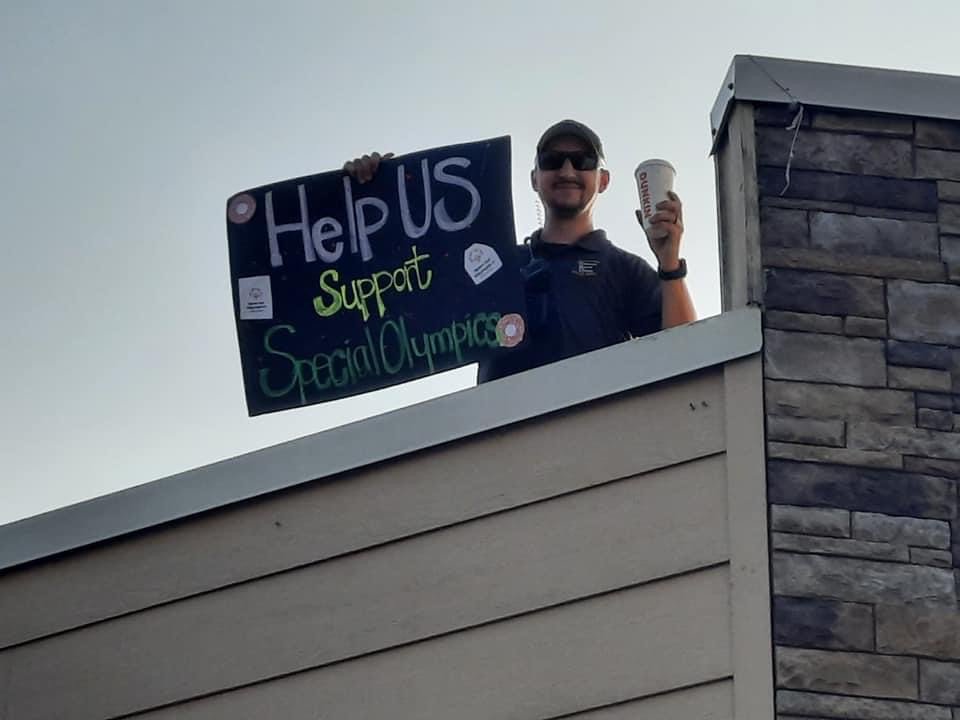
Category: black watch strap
<point>679,273</point>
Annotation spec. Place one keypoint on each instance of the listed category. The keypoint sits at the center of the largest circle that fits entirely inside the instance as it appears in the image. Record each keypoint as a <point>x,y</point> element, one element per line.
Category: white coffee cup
<point>654,179</point>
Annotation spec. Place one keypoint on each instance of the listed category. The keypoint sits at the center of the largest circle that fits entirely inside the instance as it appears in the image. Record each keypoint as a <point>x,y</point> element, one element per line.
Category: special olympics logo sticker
<point>510,330</point>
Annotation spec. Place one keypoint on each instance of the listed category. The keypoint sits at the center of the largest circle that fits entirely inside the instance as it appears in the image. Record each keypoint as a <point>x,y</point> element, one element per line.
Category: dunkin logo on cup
<point>646,204</point>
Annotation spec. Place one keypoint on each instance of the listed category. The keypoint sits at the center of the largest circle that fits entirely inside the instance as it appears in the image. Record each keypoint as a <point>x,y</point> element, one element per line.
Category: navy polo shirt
<point>580,297</point>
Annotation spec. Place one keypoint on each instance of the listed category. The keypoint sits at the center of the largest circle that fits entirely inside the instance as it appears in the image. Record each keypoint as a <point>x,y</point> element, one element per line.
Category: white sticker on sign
<point>256,301</point>
<point>480,262</point>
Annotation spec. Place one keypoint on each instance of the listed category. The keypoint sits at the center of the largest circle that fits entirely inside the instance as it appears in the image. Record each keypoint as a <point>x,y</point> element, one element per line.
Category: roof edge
<point>574,381</point>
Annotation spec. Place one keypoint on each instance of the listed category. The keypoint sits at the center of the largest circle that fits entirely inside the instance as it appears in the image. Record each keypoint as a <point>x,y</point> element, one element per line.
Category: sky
<point>125,126</point>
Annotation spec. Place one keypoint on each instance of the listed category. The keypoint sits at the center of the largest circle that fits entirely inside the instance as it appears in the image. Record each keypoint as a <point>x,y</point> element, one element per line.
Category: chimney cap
<point>752,78</point>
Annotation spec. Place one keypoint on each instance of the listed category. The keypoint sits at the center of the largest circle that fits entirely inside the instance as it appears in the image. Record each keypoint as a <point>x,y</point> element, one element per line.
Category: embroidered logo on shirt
<point>586,268</point>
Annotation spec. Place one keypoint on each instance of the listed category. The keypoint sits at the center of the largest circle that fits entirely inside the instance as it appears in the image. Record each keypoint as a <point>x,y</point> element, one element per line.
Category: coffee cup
<point>654,179</point>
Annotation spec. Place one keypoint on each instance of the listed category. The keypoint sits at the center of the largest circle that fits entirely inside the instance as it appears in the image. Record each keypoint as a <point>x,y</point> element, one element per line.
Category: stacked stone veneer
<point>861,264</point>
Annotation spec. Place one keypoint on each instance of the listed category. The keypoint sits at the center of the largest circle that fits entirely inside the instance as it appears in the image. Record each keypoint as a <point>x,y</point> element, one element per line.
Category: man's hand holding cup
<point>661,211</point>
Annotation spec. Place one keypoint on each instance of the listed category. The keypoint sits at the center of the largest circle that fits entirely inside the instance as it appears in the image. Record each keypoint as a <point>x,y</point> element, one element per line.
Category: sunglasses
<point>580,160</point>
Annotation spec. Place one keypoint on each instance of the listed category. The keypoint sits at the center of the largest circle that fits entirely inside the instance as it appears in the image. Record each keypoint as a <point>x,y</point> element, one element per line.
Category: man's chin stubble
<point>566,212</point>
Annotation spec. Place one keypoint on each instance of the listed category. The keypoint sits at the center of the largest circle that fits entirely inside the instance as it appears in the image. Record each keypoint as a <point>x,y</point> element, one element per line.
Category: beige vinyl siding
<point>483,474</point>
<point>613,647</point>
<point>579,562</point>
<point>713,701</point>
<point>548,553</point>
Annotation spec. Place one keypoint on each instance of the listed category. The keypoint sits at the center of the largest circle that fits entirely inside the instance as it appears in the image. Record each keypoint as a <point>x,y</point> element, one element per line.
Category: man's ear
<point>604,180</point>
<point>533,180</point>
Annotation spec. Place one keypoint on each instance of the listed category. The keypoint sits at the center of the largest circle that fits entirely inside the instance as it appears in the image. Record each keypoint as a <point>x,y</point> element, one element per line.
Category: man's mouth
<point>565,185</point>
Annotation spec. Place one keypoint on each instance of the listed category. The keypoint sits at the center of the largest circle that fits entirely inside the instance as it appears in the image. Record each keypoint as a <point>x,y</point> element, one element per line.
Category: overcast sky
<point>124,126</point>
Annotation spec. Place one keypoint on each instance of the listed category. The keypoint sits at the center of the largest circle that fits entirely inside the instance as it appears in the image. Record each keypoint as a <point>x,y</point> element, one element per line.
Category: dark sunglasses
<point>580,160</point>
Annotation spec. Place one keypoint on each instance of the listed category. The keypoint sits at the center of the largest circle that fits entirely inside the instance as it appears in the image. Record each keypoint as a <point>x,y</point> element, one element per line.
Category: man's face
<point>568,192</point>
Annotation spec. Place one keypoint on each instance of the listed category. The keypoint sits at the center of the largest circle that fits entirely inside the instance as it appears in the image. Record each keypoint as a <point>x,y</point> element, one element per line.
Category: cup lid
<point>655,161</point>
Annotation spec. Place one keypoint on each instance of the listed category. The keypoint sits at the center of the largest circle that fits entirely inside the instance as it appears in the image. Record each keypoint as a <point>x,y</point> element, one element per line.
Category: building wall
<point>856,263</point>
<point>578,564</point>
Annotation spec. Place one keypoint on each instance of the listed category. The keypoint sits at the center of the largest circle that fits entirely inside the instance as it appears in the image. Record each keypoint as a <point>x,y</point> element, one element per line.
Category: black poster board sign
<point>340,288</point>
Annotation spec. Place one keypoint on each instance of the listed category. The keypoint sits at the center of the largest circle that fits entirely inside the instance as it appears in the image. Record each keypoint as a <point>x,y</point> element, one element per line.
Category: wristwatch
<point>679,273</point>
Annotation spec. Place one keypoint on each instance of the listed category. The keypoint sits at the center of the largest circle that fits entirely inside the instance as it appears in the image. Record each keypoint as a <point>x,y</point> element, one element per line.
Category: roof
<point>580,379</point>
<point>764,79</point>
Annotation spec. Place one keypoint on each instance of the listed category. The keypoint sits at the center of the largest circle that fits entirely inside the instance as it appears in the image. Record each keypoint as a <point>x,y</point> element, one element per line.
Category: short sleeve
<point>642,297</point>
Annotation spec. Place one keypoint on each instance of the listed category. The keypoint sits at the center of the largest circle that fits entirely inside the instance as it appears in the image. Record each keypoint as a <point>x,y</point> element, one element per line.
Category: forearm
<point>664,236</point>
<point>677,305</point>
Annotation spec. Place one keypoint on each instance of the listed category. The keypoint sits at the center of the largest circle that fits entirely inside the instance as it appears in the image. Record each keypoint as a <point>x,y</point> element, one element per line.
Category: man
<point>583,292</point>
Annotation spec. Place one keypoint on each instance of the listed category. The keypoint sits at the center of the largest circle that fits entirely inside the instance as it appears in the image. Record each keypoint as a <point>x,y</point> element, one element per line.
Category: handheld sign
<point>341,288</point>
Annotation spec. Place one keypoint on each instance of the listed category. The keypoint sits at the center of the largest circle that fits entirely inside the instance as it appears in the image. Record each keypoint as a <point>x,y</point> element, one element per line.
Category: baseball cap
<point>571,127</point>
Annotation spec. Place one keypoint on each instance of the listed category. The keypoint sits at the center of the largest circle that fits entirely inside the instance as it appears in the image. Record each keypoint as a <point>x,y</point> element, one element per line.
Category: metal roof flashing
<point>578,380</point>
<point>752,78</point>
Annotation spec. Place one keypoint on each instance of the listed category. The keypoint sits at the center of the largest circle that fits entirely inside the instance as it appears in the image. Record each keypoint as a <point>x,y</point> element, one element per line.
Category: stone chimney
<point>839,202</point>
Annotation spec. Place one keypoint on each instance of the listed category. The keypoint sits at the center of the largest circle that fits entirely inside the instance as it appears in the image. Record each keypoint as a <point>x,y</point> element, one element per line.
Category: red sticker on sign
<point>510,330</point>
<point>241,208</point>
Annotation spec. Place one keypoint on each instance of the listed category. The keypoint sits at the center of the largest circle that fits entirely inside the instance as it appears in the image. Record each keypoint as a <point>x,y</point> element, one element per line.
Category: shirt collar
<point>595,241</point>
